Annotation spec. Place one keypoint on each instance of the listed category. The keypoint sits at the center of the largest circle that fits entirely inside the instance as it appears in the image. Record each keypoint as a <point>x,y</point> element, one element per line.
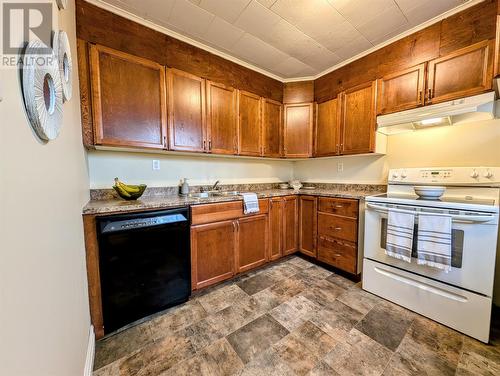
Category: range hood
<point>459,111</point>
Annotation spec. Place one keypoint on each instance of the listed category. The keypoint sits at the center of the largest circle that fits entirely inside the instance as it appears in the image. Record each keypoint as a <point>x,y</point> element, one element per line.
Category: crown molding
<point>133,17</point>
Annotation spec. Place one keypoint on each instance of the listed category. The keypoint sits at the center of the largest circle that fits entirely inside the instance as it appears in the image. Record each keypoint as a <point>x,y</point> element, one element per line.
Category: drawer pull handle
<point>337,228</point>
<point>339,206</point>
<point>338,255</point>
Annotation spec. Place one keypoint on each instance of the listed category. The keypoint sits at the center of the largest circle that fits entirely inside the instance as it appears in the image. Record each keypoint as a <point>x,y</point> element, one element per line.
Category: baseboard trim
<point>89,358</point>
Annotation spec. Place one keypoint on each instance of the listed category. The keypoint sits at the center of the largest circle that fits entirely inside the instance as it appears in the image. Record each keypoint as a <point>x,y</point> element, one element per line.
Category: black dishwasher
<point>144,264</point>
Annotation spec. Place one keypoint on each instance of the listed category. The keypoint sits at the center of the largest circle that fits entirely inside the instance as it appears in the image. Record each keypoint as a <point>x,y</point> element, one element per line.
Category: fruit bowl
<point>129,192</point>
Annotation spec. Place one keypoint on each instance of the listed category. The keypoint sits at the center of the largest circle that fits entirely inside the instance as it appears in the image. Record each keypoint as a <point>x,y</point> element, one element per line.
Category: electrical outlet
<point>340,167</point>
<point>156,164</point>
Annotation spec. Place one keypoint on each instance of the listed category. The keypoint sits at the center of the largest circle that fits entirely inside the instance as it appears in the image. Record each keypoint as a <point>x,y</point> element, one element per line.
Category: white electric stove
<point>461,298</point>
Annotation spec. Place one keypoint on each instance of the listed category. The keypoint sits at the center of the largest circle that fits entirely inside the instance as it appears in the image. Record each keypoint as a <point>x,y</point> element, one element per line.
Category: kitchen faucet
<point>214,187</point>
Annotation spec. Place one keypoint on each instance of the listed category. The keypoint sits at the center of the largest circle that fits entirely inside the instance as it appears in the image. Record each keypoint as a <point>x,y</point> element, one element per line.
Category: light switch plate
<point>156,164</point>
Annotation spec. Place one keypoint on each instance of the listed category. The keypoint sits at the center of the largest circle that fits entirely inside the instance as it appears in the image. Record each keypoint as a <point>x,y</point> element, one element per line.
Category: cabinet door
<point>358,119</point>
<point>298,126</point>
<point>272,125</point>
<point>275,228</point>
<point>290,228</point>
<point>128,99</point>
<point>252,242</point>
<point>249,124</point>
<point>186,111</point>
<point>212,253</point>
<point>221,119</point>
<point>401,90</point>
<point>465,72</point>
<point>327,128</point>
<point>307,225</point>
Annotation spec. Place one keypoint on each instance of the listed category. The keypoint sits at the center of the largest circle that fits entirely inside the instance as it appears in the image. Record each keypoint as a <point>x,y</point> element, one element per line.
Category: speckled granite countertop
<point>117,205</point>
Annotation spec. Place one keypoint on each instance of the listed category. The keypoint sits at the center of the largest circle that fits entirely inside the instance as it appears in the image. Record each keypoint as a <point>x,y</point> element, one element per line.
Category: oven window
<point>457,243</point>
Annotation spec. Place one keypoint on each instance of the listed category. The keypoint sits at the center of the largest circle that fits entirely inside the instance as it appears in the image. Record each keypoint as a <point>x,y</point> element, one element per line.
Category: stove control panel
<point>486,176</point>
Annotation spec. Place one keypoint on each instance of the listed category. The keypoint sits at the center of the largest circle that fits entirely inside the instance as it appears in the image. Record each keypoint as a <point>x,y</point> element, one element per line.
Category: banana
<point>122,192</point>
<point>127,188</point>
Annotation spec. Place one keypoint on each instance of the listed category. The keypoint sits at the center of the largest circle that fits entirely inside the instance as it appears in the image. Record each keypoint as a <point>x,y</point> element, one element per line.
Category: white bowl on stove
<point>431,192</point>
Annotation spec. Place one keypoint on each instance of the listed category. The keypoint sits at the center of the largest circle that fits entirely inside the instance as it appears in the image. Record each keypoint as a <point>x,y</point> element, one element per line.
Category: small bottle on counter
<point>184,187</point>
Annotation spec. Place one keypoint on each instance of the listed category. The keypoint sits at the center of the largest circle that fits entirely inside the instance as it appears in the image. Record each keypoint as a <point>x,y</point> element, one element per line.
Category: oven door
<point>474,239</point>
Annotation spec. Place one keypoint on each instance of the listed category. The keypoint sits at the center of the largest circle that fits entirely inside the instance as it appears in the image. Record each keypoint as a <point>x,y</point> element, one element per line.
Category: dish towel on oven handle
<point>250,203</point>
<point>399,235</point>
<point>434,241</point>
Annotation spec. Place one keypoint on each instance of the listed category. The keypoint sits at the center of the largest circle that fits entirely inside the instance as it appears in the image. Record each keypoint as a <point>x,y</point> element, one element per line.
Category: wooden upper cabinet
<point>290,226</point>
<point>186,111</point>
<point>462,73</point>
<point>128,99</point>
<point>249,124</point>
<point>401,90</point>
<point>222,130</point>
<point>358,119</point>
<point>307,225</point>
<point>327,140</point>
<point>272,121</point>
<point>298,130</point>
<point>212,253</point>
<point>252,242</point>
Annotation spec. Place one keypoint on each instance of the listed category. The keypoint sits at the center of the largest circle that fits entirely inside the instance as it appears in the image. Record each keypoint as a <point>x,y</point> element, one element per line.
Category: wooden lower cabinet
<point>290,225</point>
<point>275,228</point>
<point>252,242</point>
<point>307,225</point>
<point>337,240</point>
<point>213,248</point>
<point>283,226</point>
<point>338,253</point>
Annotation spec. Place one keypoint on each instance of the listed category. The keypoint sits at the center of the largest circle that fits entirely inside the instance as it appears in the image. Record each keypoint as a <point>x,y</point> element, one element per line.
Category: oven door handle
<point>454,218</point>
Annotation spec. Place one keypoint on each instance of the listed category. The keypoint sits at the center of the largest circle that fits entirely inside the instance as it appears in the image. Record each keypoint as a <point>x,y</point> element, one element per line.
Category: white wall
<point>44,315</point>
<point>137,168</point>
<point>476,144</point>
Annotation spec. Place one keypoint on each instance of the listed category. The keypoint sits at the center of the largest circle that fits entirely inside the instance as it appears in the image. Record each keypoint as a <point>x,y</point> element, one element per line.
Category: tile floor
<point>293,318</point>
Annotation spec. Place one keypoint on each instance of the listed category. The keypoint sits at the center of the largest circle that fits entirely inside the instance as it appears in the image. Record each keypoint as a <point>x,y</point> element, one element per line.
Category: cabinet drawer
<point>337,227</point>
<point>338,253</point>
<point>208,213</point>
<point>339,206</point>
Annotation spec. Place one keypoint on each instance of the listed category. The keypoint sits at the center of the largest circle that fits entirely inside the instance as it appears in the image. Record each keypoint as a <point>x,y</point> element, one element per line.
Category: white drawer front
<point>464,311</point>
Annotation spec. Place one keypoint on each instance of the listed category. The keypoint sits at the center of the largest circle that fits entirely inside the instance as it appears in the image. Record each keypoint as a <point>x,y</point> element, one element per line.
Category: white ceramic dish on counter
<point>430,192</point>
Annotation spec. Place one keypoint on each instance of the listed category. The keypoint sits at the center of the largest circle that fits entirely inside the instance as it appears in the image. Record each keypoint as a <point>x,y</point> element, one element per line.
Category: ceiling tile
<point>342,34</point>
<point>257,19</point>
<point>291,67</point>
<point>222,33</point>
<point>158,10</point>
<point>267,3</point>
<point>256,51</point>
<point>289,39</point>
<point>313,17</point>
<point>383,24</point>
<point>322,59</point>
<point>353,48</point>
<point>190,18</point>
<point>359,12</point>
<point>425,10</point>
<point>227,10</point>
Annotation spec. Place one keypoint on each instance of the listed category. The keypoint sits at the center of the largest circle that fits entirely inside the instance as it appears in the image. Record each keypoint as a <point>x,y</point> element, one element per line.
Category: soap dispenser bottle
<point>185,187</point>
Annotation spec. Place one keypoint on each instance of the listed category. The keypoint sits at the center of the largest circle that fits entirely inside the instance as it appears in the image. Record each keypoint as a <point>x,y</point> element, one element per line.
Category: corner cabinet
<point>221,119</point>
<point>358,119</point>
<point>298,130</point>
<point>128,99</point>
